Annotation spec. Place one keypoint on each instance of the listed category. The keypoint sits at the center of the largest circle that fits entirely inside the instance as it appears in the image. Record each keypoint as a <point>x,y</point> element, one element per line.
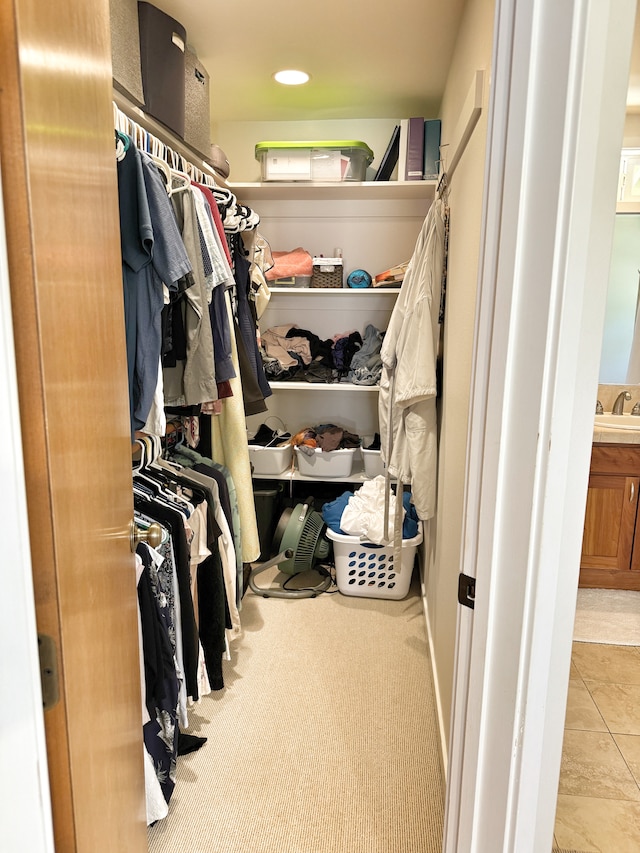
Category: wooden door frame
<point>63,246</point>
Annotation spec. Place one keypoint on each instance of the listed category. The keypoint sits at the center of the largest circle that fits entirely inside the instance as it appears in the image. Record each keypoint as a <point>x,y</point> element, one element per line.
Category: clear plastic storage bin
<point>328,160</point>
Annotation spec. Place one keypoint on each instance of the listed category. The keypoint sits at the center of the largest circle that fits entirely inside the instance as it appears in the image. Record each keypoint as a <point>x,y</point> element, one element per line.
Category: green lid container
<point>314,160</point>
<point>338,144</point>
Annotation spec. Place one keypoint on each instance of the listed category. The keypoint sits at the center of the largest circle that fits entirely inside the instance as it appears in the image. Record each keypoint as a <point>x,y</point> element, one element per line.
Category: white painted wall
<point>238,139</point>
<point>473,52</point>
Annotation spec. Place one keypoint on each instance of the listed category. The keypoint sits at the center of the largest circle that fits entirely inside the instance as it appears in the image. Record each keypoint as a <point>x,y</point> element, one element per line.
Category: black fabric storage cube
<point>162,47</point>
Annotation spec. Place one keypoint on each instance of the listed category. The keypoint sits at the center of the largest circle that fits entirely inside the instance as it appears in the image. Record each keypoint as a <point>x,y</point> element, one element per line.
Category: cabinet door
<point>609,522</point>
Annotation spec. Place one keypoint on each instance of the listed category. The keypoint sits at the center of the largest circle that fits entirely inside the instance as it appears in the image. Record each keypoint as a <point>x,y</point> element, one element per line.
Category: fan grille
<point>311,544</point>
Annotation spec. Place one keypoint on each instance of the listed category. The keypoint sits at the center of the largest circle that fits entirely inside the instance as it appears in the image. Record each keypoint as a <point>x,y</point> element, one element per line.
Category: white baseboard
<point>444,756</point>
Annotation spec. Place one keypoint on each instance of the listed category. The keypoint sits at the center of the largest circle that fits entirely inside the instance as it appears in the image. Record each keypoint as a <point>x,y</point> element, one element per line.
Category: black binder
<point>390,157</point>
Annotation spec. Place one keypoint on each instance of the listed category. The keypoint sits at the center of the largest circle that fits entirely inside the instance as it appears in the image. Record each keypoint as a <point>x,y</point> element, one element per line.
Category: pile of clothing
<point>327,437</point>
<point>291,353</point>
<point>361,513</point>
<point>265,436</point>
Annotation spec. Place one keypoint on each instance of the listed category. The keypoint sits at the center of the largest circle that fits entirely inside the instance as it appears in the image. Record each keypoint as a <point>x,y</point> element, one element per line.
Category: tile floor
<point>599,794</point>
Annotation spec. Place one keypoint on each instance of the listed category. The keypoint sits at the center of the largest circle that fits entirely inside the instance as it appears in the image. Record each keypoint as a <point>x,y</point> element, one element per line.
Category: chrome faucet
<point>618,406</point>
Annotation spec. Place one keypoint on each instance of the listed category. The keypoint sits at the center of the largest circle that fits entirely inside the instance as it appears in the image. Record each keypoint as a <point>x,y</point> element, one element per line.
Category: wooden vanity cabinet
<point>610,546</point>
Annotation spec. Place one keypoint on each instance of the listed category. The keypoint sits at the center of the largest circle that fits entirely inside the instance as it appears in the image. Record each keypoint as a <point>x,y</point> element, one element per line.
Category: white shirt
<point>407,400</point>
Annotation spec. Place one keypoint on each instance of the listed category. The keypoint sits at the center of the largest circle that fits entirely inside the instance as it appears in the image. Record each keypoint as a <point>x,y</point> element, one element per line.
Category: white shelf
<point>357,476</point>
<point>376,224</point>
<point>362,292</point>
<point>370,190</point>
<point>321,386</point>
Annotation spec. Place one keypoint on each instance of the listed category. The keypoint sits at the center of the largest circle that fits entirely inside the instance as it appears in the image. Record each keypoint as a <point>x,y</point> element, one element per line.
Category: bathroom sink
<point>617,422</point>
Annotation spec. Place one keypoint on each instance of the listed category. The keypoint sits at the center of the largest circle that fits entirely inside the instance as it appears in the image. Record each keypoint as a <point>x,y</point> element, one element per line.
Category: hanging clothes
<point>192,382</point>
<point>151,256</point>
<point>160,732</point>
<point>407,399</point>
<point>217,310</point>
<point>228,499</point>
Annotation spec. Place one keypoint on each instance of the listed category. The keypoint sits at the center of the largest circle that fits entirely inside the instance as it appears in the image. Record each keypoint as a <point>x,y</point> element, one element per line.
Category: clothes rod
<point>155,128</point>
<point>469,115</point>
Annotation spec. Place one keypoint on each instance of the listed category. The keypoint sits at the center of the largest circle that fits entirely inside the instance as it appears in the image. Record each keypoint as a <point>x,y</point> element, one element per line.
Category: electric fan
<point>299,542</point>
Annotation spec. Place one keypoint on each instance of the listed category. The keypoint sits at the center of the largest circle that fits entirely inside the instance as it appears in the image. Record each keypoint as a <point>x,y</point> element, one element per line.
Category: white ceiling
<point>374,59</point>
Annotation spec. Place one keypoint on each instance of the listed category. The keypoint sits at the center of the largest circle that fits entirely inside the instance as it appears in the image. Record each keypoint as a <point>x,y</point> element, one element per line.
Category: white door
<point>559,82</point>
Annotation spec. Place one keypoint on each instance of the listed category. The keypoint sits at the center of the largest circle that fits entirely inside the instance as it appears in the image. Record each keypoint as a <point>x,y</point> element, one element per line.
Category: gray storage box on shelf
<point>125,49</point>
<point>197,130</point>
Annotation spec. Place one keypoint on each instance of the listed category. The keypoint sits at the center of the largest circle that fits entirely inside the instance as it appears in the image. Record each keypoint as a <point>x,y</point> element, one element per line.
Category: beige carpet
<point>609,616</point>
<point>324,740</point>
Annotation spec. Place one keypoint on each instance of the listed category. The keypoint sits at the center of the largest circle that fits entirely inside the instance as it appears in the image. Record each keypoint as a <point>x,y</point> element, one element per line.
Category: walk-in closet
<point>239,644</point>
<point>277,723</point>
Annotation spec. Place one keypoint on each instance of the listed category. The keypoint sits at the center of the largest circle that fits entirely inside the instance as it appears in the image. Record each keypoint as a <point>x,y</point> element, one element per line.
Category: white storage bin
<point>368,570</point>
<point>326,464</point>
<point>373,464</point>
<point>270,460</point>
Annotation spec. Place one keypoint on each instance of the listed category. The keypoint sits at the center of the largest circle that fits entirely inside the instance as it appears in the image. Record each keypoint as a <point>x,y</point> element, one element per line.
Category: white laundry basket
<point>368,570</point>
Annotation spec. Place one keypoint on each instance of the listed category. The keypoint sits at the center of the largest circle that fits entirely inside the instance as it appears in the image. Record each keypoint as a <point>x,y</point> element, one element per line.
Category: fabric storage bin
<point>327,272</point>
<point>125,49</point>
<point>197,130</point>
<point>327,160</point>
<point>162,46</point>
<point>270,460</point>
<point>326,464</point>
<point>373,464</point>
<point>368,570</point>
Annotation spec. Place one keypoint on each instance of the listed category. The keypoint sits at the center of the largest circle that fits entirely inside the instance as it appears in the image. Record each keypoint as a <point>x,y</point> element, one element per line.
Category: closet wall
<point>238,138</point>
<point>473,52</point>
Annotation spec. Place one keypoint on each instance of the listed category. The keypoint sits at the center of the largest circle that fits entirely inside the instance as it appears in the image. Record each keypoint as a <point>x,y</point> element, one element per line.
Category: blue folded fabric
<point>332,513</point>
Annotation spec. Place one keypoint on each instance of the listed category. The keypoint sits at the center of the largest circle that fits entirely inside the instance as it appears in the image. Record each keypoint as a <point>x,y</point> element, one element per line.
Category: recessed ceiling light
<point>290,77</point>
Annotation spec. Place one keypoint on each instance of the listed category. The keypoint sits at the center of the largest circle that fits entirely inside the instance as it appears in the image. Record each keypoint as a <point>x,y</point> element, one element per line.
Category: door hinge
<point>466,590</point>
<point>48,671</point>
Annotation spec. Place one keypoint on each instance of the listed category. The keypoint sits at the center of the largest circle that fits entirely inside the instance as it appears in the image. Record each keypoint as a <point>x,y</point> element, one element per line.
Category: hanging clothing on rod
<point>407,399</point>
<point>188,364</point>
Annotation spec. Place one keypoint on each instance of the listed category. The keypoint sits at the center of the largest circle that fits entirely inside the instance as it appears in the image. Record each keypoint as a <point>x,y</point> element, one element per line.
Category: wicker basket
<point>327,272</point>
